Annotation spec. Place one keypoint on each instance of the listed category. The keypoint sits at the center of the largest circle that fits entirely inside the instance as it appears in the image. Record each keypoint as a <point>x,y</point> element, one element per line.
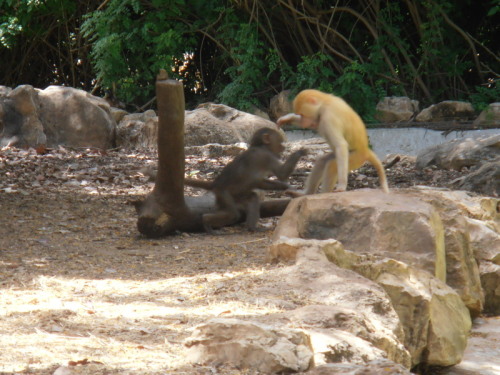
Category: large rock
<point>348,317</point>
<point>218,123</point>
<point>424,228</point>
<point>208,124</point>
<point>345,319</point>
<point>19,118</point>
<point>462,272</point>
<point>138,131</point>
<point>435,320</point>
<point>485,243</point>
<point>460,153</point>
<point>395,109</point>
<point>250,345</point>
<point>4,91</point>
<point>484,180</point>
<point>377,367</point>
<point>75,118</point>
<point>447,111</point>
<point>489,117</point>
<point>389,225</point>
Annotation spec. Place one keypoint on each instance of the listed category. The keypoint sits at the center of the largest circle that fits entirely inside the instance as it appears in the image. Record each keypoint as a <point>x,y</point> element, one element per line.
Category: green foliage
<point>484,96</point>
<point>131,43</point>
<point>26,18</point>
<point>355,87</point>
<point>243,52</point>
<point>246,74</point>
<point>495,8</point>
<point>314,72</point>
<point>9,29</point>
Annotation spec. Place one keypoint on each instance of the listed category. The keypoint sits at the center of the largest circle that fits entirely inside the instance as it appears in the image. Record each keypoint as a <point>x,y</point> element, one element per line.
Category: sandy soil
<point>81,288</point>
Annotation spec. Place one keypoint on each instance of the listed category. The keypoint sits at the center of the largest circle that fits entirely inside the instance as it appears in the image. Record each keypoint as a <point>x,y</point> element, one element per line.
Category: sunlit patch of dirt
<point>81,288</point>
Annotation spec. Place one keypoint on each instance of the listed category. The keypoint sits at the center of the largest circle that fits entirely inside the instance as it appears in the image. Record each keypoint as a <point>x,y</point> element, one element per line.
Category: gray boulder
<point>218,123</point>
<point>460,153</point>
<point>395,109</point>
<point>489,117</point>
<point>484,180</point>
<point>19,117</point>
<point>75,118</point>
<point>447,110</point>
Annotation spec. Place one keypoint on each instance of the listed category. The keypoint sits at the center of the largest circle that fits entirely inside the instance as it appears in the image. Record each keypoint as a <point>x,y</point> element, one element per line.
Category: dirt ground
<point>80,287</point>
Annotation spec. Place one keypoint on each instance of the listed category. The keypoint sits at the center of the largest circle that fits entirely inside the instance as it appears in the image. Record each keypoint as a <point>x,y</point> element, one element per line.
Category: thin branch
<point>466,37</point>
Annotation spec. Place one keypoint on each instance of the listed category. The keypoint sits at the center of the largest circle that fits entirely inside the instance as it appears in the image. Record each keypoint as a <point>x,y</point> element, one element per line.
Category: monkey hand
<point>291,117</point>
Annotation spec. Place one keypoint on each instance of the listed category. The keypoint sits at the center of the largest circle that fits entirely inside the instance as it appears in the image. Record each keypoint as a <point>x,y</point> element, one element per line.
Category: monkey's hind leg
<point>330,175</point>
<point>227,213</point>
<point>252,211</point>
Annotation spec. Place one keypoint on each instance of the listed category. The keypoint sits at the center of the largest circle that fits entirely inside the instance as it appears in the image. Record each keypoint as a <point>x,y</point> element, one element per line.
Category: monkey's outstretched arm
<point>267,184</point>
<point>291,118</point>
<point>283,171</point>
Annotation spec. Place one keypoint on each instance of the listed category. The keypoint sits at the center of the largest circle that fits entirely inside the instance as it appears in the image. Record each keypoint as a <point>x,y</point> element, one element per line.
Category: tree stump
<point>166,210</point>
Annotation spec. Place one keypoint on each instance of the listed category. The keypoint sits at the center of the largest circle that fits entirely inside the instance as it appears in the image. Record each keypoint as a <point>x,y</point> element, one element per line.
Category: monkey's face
<point>276,144</point>
<point>308,108</point>
<point>308,123</point>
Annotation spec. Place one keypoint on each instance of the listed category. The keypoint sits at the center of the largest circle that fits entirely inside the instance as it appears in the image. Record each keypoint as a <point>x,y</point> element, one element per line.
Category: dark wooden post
<point>164,210</point>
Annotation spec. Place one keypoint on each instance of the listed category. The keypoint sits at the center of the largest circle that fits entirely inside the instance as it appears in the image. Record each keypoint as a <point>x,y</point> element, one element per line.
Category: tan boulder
<point>435,320</point>
<point>447,110</point>
<point>347,317</point>
<point>218,123</point>
<point>75,118</point>
<point>425,228</point>
<point>19,118</point>
<point>395,109</point>
<point>462,272</point>
<point>485,243</point>
<point>390,225</point>
<point>489,117</point>
<point>138,131</point>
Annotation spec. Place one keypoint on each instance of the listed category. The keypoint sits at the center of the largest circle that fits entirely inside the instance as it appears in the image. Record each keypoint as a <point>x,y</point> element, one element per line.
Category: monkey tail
<point>202,184</point>
<point>373,159</point>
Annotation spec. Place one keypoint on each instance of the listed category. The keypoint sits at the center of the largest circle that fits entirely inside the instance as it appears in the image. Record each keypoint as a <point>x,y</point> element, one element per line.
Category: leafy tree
<point>244,52</point>
<point>41,44</point>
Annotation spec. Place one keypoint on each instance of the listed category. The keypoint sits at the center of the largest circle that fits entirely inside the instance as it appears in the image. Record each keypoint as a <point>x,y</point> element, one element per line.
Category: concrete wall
<point>407,141</point>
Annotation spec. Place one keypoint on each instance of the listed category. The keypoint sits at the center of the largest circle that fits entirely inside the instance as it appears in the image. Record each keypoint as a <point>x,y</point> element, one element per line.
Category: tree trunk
<point>165,210</point>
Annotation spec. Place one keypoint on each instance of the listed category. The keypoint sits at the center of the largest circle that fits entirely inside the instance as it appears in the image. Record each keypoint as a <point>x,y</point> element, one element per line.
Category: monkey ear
<point>312,100</point>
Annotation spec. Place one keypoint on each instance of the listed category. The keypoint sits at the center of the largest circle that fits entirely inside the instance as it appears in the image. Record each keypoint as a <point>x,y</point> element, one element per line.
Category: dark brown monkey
<point>235,186</point>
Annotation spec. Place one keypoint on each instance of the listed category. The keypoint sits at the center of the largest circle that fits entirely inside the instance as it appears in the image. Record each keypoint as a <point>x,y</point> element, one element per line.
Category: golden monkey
<point>344,131</point>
